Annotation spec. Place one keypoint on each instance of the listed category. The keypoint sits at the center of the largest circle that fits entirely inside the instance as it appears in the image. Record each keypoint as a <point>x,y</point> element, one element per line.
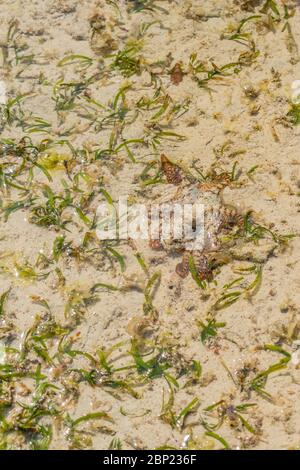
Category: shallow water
<point>106,331</point>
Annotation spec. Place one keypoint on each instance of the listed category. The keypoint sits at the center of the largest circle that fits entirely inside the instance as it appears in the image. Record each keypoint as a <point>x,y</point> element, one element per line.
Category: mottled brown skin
<point>155,245</point>
<point>182,269</point>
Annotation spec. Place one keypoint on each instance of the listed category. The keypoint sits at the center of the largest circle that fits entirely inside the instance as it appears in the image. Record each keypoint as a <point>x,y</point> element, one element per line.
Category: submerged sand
<point>71,103</point>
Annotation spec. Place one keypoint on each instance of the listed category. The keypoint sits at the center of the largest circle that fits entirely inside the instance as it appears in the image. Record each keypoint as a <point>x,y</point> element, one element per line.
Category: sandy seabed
<point>103,345</point>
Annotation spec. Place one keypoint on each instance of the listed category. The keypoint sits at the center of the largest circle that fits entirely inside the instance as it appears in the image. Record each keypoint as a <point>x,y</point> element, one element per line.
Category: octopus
<point>220,220</point>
